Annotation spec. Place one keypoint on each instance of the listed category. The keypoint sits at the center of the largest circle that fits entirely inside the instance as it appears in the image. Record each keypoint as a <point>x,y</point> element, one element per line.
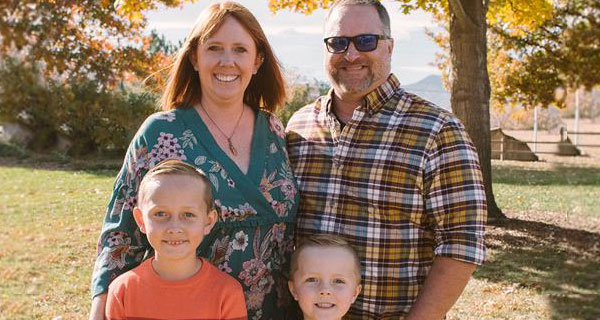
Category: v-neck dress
<point>253,239</point>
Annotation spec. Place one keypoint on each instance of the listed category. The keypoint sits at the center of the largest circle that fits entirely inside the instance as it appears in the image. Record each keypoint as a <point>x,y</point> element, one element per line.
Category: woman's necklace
<point>230,145</point>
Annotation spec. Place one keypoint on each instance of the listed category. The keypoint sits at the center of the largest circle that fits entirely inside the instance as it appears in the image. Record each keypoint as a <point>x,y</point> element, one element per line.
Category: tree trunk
<point>470,95</point>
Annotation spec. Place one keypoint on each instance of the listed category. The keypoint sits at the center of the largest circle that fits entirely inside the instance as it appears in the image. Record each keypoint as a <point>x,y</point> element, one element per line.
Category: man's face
<point>353,74</point>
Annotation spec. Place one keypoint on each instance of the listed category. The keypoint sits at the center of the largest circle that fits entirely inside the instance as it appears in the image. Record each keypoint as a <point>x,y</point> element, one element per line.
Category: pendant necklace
<point>230,145</point>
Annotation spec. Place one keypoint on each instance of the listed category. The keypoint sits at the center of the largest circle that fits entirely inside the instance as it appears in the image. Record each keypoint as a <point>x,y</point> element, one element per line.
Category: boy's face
<point>174,216</point>
<point>325,289</point>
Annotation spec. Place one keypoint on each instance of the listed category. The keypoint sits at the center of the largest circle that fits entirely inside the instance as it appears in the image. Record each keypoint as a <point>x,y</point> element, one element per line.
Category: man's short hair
<point>174,167</point>
<point>324,240</point>
<point>384,17</point>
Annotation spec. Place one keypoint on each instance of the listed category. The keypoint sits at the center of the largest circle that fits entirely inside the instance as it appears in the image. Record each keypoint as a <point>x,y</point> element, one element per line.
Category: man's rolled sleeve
<point>455,195</point>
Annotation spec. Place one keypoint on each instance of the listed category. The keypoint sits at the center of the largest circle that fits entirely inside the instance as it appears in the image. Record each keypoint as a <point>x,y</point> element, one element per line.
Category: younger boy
<point>175,211</point>
<point>324,277</point>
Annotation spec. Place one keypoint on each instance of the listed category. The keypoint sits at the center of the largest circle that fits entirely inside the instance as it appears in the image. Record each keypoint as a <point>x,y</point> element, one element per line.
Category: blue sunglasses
<point>362,42</point>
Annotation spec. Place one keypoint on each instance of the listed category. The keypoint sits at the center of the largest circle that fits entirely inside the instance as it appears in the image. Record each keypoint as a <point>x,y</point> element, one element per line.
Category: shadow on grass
<point>559,175</point>
<point>562,264</point>
<point>98,167</point>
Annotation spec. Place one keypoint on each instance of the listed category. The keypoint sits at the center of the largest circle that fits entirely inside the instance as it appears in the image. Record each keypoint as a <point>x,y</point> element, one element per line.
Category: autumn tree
<point>538,66</point>
<point>563,53</point>
<point>67,67</point>
<point>98,39</point>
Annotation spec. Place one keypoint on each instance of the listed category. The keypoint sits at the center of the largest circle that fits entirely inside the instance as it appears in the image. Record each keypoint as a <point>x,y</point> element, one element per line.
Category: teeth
<point>354,68</point>
<point>325,305</point>
<point>174,243</point>
<point>225,77</point>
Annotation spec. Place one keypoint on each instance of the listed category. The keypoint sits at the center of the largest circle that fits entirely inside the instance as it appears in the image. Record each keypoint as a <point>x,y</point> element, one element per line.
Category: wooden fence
<point>564,147</point>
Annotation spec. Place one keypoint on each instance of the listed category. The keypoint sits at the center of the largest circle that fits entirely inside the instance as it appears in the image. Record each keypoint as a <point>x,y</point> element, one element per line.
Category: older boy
<point>175,212</point>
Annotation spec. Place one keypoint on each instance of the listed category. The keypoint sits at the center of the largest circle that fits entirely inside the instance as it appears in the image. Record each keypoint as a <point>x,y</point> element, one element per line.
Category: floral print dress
<point>253,239</point>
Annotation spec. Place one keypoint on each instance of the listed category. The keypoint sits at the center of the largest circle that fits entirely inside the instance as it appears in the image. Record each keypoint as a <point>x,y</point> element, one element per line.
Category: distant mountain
<point>431,88</point>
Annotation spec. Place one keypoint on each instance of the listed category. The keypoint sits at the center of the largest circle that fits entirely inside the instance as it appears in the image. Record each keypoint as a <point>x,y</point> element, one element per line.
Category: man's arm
<point>446,281</point>
<point>456,203</point>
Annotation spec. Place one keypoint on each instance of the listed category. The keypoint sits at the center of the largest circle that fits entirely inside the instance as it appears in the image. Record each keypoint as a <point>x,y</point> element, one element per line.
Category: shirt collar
<point>374,99</point>
<point>378,97</point>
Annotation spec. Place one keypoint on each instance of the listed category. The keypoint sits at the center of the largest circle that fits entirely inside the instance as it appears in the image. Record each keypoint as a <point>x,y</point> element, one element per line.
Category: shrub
<point>12,150</point>
<point>301,94</point>
<point>93,117</point>
<point>97,119</point>
<point>27,99</point>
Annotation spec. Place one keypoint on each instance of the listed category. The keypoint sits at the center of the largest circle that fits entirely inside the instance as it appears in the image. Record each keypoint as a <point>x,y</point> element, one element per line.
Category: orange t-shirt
<point>142,294</point>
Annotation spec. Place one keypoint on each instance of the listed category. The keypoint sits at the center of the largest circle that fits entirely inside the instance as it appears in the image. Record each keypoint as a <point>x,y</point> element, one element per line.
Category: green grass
<point>542,263</point>
<point>562,189</point>
<point>47,240</point>
<point>539,267</point>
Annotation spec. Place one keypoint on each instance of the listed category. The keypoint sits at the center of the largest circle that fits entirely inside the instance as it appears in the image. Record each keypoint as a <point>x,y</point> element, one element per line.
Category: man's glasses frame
<point>362,42</point>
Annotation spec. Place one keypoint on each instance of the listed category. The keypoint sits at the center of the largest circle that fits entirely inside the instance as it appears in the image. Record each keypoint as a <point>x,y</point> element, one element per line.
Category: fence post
<point>535,128</point>
<point>502,147</point>
<point>576,117</point>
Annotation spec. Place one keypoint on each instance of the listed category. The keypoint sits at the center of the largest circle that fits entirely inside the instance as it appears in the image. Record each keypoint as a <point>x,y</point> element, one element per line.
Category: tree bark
<point>470,93</point>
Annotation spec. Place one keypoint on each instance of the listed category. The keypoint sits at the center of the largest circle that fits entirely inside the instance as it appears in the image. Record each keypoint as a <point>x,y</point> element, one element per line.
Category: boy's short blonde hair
<point>324,241</point>
<point>174,167</point>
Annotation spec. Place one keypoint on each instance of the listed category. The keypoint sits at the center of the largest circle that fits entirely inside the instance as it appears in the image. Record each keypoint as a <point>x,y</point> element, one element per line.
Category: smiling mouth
<point>175,242</point>
<point>354,68</point>
<point>226,77</point>
<point>324,305</point>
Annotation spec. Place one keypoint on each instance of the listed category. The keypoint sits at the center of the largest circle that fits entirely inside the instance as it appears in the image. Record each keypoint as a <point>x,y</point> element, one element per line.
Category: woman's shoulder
<point>275,124</point>
<point>162,121</point>
<point>162,118</point>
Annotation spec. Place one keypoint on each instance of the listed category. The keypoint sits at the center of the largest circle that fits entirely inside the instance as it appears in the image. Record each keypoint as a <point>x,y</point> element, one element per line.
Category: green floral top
<point>253,239</point>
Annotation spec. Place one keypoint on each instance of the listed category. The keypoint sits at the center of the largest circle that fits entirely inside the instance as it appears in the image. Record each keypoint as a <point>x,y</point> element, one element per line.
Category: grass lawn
<point>543,263</point>
<point>47,240</point>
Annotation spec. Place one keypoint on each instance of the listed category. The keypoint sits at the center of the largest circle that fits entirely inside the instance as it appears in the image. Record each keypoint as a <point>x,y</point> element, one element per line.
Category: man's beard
<point>353,85</point>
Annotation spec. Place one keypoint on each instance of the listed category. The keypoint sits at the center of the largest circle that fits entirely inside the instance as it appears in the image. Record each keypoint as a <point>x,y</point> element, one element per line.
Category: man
<point>394,174</point>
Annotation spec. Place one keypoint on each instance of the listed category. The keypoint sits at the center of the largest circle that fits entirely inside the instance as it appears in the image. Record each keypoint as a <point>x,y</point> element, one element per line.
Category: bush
<point>301,94</point>
<point>92,117</point>
<point>28,100</point>
<point>13,151</point>
<point>97,119</point>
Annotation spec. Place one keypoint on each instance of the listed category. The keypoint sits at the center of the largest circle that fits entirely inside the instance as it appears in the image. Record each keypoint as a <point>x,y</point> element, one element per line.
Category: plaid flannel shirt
<point>401,182</point>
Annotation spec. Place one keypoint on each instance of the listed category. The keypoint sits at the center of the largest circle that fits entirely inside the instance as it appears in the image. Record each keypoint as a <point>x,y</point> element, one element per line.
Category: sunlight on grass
<point>536,269</point>
<point>566,190</point>
<point>48,241</point>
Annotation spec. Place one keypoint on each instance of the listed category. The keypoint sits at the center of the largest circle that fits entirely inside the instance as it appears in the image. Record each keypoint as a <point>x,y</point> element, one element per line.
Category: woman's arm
<point>121,245</point>
<point>98,306</point>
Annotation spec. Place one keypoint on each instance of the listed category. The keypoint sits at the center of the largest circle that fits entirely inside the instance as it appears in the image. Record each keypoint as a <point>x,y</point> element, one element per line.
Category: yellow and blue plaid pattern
<point>401,182</point>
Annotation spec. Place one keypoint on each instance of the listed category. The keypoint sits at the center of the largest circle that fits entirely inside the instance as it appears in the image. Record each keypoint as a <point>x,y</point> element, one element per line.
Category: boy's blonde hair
<point>324,241</point>
<point>173,167</point>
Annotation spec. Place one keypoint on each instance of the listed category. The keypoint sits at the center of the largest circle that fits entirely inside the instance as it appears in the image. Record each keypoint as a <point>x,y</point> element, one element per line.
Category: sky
<point>297,38</point>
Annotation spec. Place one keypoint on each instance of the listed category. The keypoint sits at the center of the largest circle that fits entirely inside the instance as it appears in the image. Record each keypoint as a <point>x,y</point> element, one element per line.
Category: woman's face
<point>226,62</point>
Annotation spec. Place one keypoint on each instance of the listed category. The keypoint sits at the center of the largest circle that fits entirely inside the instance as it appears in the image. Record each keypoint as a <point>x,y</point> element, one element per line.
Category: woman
<point>222,86</point>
